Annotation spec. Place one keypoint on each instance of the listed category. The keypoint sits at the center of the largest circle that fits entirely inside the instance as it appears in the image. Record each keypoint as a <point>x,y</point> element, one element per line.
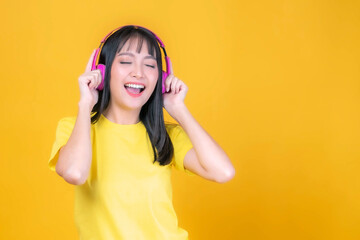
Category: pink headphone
<point>101,67</point>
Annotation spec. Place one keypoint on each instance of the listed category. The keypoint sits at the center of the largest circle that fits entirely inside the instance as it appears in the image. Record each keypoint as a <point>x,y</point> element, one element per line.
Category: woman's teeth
<point>135,86</point>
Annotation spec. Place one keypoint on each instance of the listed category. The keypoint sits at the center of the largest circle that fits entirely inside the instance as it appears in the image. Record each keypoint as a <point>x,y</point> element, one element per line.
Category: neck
<point>122,116</point>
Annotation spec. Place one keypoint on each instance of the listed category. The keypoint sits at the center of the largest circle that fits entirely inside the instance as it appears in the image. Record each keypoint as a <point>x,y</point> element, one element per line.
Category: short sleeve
<point>182,145</point>
<point>63,132</point>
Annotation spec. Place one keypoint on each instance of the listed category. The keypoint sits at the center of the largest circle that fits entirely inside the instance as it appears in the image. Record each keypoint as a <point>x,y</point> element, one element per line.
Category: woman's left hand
<point>175,93</point>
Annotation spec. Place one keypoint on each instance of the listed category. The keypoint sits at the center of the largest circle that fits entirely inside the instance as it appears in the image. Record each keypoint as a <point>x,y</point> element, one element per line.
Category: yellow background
<point>275,83</point>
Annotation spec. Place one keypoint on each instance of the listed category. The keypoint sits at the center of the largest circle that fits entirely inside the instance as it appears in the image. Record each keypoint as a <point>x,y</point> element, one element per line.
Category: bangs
<point>132,37</point>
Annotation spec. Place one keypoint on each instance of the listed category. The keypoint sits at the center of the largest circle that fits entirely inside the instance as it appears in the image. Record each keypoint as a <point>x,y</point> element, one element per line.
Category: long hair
<point>151,113</point>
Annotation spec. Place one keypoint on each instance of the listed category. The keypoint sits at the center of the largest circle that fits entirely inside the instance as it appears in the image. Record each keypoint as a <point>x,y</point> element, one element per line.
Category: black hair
<point>151,113</point>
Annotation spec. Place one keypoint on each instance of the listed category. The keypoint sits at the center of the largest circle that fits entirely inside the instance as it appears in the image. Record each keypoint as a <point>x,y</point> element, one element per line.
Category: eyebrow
<point>130,54</point>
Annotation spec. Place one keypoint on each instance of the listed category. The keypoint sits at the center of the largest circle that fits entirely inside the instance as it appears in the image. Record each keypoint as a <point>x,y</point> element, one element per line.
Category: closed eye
<point>152,66</point>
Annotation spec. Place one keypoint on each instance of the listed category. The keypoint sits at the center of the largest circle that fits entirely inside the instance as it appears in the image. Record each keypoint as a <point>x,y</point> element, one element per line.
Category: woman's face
<point>133,76</point>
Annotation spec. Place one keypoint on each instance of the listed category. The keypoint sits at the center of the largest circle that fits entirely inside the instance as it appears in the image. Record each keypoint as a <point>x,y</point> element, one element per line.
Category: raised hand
<point>175,93</point>
<point>88,83</point>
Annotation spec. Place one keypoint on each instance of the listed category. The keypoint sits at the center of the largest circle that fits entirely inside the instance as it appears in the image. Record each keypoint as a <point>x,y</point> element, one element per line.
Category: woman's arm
<point>209,154</point>
<point>75,156</point>
<point>206,158</point>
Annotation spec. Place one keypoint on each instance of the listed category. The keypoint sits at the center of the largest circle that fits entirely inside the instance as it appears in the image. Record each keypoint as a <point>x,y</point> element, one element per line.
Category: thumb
<point>170,67</point>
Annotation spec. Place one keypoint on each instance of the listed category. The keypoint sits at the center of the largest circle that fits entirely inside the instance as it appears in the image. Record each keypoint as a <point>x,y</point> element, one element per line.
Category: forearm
<point>75,156</point>
<point>211,156</point>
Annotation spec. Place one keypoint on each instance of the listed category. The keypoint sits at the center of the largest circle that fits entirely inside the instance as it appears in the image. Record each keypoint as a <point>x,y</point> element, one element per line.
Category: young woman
<point>118,151</point>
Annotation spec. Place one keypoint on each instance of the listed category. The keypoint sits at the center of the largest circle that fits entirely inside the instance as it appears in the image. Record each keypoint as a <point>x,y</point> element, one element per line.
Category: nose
<point>137,71</point>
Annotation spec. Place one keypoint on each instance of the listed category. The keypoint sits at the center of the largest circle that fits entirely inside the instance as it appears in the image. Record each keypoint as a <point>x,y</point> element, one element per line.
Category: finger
<point>98,78</point>
<point>167,82</point>
<point>92,80</point>
<point>173,84</point>
<point>184,87</point>
<point>171,68</point>
<point>181,88</point>
<point>177,87</point>
<point>89,64</point>
<point>95,77</point>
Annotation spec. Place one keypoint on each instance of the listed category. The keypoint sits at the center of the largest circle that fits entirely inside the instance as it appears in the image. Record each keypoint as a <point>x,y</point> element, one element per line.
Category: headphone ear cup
<point>102,68</point>
<point>164,76</point>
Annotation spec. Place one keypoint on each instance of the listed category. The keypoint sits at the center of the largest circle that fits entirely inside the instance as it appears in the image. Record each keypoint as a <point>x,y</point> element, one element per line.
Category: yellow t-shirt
<point>126,196</point>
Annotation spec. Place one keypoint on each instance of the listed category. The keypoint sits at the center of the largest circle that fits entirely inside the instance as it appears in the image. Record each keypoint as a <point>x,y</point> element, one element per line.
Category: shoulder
<point>176,132</point>
<point>172,128</point>
<point>65,125</point>
<point>67,121</point>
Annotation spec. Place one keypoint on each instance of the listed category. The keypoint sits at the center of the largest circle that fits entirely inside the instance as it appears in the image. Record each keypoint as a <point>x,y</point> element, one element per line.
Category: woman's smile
<point>134,89</point>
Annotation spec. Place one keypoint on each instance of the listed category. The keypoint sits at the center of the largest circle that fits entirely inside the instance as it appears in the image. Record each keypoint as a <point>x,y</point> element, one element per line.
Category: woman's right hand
<point>88,82</point>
